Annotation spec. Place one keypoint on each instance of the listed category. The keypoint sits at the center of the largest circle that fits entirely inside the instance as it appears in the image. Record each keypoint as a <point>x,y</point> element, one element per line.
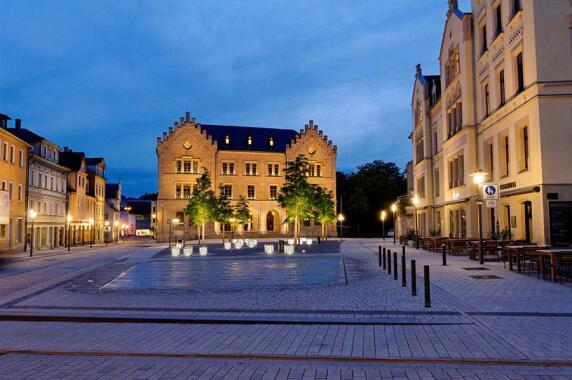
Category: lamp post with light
<point>91,223</point>
<point>32,214</point>
<point>116,225</point>
<point>382,216</point>
<point>69,219</point>
<point>106,232</point>
<point>394,210</point>
<point>478,179</point>
<point>171,222</point>
<point>415,201</point>
<point>341,219</point>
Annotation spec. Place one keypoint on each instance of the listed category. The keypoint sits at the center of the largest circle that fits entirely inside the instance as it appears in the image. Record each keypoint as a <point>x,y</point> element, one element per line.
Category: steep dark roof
<point>93,160</point>
<point>72,160</point>
<point>111,190</point>
<point>26,135</point>
<point>260,137</point>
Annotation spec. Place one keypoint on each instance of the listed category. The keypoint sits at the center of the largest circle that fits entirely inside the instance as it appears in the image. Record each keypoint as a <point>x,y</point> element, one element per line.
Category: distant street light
<point>91,222</point>
<point>394,210</point>
<point>415,200</point>
<point>382,216</point>
<point>106,231</point>
<point>69,219</point>
<point>478,179</point>
<point>32,214</point>
<point>341,219</point>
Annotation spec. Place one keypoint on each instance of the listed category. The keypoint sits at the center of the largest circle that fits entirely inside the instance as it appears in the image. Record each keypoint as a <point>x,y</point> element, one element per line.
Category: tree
<point>223,211</point>
<point>202,204</point>
<point>296,194</point>
<point>323,207</point>
<point>242,212</point>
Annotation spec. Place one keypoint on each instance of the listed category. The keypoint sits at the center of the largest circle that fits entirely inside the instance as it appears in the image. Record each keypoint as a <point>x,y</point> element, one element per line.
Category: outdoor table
<point>517,250</point>
<point>553,254</point>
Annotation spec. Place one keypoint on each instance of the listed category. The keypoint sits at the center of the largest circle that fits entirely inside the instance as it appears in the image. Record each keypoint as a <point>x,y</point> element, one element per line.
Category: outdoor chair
<point>564,268</point>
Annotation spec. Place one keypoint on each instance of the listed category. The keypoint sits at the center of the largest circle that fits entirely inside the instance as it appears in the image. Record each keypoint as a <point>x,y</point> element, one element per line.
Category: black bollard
<point>403,250</point>
<point>388,261</point>
<point>384,259</point>
<point>417,242</point>
<point>379,254</point>
<point>444,253</point>
<point>427,286</point>
<point>413,279</point>
<point>395,265</point>
<point>403,271</point>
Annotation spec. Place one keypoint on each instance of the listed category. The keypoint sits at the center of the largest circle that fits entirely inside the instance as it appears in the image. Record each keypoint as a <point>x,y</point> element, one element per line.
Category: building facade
<point>112,211</point>
<point>47,191</point>
<point>502,105</point>
<point>244,161</point>
<point>13,171</point>
<point>96,190</point>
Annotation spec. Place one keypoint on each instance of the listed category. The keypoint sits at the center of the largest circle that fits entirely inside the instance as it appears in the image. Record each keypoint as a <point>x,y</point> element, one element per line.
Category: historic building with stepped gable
<point>244,161</point>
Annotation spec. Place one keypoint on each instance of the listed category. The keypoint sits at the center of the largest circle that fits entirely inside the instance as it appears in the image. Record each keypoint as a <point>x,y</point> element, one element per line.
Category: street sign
<point>491,203</point>
<point>490,191</point>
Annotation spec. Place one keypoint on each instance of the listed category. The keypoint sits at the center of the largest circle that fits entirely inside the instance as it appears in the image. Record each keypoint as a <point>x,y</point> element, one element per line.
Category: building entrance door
<point>270,222</point>
<point>528,221</point>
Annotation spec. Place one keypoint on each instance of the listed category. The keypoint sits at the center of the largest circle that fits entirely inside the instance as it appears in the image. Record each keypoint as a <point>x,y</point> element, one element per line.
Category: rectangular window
<point>273,192</point>
<point>273,170</point>
<point>187,191</point>
<point>21,158</point>
<point>11,190</point>
<point>484,43</point>
<point>489,160</point>
<point>250,194</point>
<point>519,73</point>
<point>421,187</point>
<point>13,154</point>
<point>318,170</point>
<point>436,182</point>
<point>20,193</point>
<point>187,166</point>
<point>505,156</point>
<point>250,168</point>
<point>502,94</point>
<point>178,191</point>
<point>516,7</point>
<point>311,170</point>
<point>179,166</point>
<point>5,151</point>
<point>524,149</point>
<point>487,100</point>
<point>195,166</point>
<point>227,191</point>
<point>498,20</point>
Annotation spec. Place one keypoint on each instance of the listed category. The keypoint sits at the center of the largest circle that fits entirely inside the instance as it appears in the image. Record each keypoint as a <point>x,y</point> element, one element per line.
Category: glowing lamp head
<point>91,221</point>
<point>415,200</point>
<point>341,217</point>
<point>116,223</point>
<point>393,208</point>
<point>175,221</point>
<point>383,215</point>
<point>32,213</point>
<point>69,218</point>
<point>478,177</point>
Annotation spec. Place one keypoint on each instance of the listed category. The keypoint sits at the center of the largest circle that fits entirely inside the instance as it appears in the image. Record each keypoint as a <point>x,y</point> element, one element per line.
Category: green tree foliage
<point>296,194</point>
<point>323,208</point>
<point>202,204</point>
<point>242,212</point>
<point>372,187</point>
<point>223,211</point>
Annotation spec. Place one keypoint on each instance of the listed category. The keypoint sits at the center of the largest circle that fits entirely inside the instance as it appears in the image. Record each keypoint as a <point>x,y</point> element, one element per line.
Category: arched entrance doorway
<point>272,221</point>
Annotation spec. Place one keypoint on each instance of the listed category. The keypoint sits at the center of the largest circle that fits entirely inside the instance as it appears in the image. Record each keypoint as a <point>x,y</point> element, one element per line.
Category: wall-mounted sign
<point>491,203</point>
<point>506,186</point>
<point>490,191</point>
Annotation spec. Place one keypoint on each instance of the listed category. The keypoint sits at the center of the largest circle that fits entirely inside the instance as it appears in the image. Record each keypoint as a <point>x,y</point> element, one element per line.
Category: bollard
<point>395,265</point>
<point>427,286</point>
<point>388,261</point>
<point>413,279</point>
<point>403,250</point>
<point>417,242</point>
<point>379,254</point>
<point>384,259</point>
<point>444,252</point>
<point>403,271</point>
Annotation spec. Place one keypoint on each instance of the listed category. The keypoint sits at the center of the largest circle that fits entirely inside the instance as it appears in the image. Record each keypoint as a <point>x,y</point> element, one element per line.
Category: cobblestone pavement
<point>59,317</point>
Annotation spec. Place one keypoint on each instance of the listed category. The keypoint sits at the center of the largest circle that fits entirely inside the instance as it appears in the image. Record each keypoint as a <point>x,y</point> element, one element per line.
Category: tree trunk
<point>222,232</point>
<point>203,232</point>
<point>199,233</point>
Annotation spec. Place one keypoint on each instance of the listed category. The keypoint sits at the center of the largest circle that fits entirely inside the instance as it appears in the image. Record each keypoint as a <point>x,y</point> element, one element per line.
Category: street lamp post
<point>478,179</point>
<point>69,219</point>
<point>32,214</point>
<point>382,216</point>
<point>116,225</point>
<point>91,222</point>
<point>106,231</point>
<point>393,210</point>
<point>415,202</point>
<point>341,219</point>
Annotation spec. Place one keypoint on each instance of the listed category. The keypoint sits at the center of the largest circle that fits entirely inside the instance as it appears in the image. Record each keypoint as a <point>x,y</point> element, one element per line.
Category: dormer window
<point>227,139</point>
<point>271,141</point>
<point>249,140</point>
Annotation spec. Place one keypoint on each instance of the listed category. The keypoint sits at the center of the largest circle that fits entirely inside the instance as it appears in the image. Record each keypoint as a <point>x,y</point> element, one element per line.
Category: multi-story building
<point>501,105</point>
<point>113,210</point>
<point>96,189</point>
<point>81,205</point>
<point>140,215</point>
<point>47,190</point>
<point>243,161</point>
<point>13,168</point>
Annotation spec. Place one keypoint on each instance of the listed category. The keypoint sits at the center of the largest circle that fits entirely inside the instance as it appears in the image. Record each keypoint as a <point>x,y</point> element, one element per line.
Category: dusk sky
<point>108,77</point>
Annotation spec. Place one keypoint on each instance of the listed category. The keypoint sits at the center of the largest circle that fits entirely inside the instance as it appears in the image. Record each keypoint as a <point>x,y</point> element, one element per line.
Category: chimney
<point>18,123</point>
<point>66,149</point>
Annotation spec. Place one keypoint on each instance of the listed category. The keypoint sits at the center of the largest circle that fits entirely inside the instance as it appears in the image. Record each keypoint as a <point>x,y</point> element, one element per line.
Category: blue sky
<point>107,77</point>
